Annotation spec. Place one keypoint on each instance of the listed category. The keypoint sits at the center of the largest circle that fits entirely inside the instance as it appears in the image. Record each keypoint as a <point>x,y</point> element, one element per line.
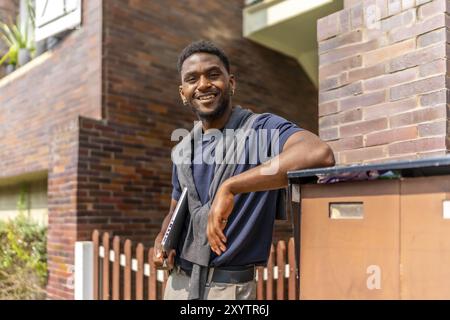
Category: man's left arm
<point>302,150</point>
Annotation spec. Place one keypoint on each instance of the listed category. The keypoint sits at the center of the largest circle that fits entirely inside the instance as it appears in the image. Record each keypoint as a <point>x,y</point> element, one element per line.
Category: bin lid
<point>404,168</point>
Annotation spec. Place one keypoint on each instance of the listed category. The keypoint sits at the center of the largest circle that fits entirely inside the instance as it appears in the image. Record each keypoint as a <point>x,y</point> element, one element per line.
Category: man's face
<point>206,85</point>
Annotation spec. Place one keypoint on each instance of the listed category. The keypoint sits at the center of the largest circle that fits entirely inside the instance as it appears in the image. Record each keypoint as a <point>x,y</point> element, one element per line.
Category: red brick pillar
<point>382,80</point>
<point>62,209</point>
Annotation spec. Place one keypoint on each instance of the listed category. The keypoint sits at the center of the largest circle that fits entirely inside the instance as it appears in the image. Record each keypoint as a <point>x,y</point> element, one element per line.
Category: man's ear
<point>183,99</point>
<point>232,84</point>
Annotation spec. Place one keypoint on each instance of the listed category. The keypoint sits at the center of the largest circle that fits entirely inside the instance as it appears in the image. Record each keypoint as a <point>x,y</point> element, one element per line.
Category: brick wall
<point>8,10</point>
<point>40,104</point>
<point>53,88</point>
<point>62,208</point>
<point>120,189</point>
<point>382,74</point>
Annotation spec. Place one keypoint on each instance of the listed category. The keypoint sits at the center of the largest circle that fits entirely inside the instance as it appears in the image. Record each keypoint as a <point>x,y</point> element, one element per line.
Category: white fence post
<point>84,270</point>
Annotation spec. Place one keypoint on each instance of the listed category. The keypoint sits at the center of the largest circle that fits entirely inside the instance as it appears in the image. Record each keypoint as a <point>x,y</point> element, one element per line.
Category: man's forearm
<point>301,150</point>
<point>273,174</point>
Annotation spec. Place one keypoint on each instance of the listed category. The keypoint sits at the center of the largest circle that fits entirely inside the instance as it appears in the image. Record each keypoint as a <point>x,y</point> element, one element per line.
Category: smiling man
<point>235,190</point>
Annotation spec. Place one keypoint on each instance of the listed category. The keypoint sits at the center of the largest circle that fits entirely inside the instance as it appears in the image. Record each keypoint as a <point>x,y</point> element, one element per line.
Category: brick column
<point>382,80</point>
<point>62,209</point>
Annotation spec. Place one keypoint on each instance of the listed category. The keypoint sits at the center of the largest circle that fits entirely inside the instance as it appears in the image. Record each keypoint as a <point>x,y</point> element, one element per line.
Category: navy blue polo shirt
<point>250,225</point>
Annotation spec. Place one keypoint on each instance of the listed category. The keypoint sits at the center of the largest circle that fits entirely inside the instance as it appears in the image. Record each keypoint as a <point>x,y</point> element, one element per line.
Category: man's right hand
<point>161,259</point>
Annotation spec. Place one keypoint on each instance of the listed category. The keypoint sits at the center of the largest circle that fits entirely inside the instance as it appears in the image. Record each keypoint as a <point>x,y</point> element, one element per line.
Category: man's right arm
<point>159,255</point>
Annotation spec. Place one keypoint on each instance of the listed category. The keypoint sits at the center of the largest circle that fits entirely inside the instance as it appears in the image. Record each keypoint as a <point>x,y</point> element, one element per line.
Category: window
<point>56,16</point>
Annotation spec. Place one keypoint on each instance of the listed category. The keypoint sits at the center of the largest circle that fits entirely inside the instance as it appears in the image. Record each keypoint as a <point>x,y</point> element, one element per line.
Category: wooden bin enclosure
<point>394,245</point>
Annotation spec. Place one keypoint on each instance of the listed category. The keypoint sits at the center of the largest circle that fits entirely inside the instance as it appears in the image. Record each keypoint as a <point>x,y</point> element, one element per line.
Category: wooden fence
<point>128,272</point>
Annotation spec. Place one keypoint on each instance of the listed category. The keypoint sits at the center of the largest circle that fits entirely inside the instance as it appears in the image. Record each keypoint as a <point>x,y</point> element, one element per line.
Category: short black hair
<point>206,47</point>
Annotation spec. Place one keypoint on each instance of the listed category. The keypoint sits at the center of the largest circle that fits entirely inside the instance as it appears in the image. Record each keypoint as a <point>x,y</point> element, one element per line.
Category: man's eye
<point>214,75</point>
<point>190,80</point>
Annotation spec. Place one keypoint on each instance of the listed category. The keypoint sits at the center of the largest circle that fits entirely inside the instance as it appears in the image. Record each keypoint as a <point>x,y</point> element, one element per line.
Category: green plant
<point>15,39</point>
<point>13,49</point>
<point>31,12</point>
<point>23,256</point>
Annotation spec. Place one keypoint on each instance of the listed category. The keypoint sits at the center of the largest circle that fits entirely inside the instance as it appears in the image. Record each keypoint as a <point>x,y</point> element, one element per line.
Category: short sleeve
<point>278,131</point>
<point>176,191</point>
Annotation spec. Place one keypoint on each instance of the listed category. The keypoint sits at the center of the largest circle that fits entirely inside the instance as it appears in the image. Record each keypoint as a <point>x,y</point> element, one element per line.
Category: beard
<point>217,112</point>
